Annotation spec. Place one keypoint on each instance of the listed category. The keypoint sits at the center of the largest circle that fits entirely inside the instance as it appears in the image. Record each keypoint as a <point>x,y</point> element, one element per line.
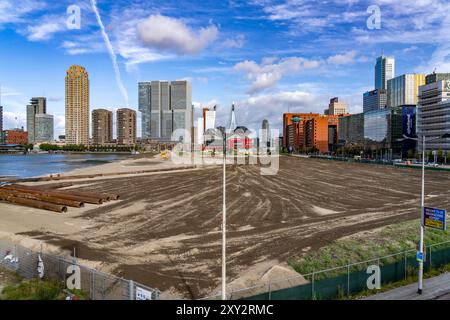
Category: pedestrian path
<point>437,288</point>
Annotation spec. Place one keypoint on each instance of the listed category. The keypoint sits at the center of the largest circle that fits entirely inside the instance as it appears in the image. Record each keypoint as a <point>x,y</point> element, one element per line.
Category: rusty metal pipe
<point>26,195</point>
<point>34,203</point>
<point>56,194</point>
<point>104,196</point>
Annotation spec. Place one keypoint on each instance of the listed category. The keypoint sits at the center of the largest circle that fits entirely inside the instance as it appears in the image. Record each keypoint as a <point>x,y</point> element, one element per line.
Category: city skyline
<point>223,55</point>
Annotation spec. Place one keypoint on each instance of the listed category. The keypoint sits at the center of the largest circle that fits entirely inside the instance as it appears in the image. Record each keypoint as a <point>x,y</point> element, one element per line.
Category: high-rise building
<point>374,100</point>
<point>1,111</point>
<point>165,106</point>
<point>181,103</point>
<point>310,130</point>
<point>1,118</point>
<point>433,115</point>
<point>102,126</point>
<point>404,89</point>
<point>384,130</point>
<point>435,77</point>
<point>336,108</point>
<point>43,129</point>
<point>351,129</point>
<point>77,106</point>
<point>264,139</point>
<point>210,118</point>
<point>39,123</point>
<point>384,71</point>
<point>126,126</point>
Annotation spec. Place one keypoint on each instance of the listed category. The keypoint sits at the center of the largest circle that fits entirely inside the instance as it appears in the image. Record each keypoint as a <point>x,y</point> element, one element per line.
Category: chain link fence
<point>96,284</point>
<point>344,281</point>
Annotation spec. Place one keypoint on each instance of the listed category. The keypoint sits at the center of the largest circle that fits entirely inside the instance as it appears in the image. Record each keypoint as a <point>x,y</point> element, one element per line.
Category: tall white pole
<point>224,224</point>
<point>421,217</point>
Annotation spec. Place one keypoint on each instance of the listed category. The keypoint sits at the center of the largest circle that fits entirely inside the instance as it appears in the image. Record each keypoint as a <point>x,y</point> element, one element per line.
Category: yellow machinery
<point>164,154</point>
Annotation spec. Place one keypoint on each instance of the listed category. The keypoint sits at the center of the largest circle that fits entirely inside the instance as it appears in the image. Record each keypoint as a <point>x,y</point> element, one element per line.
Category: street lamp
<point>422,228</point>
<point>224,221</point>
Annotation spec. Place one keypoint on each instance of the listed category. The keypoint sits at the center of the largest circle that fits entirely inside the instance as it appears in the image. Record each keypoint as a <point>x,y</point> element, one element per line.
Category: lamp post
<point>224,221</point>
<point>422,202</point>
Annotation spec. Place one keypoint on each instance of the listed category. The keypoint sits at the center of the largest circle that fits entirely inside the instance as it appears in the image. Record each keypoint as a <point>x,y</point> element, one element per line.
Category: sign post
<point>434,218</point>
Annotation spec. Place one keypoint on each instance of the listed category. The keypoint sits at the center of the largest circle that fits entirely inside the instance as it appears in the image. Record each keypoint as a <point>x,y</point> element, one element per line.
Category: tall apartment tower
<point>1,112</point>
<point>433,111</point>
<point>404,89</point>
<point>77,106</point>
<point>165,106</point>
<point>102,126</point>
<point>39,123</point>
<point>384,71</point>
<point>1,119</point>
<point>374,100</point>
<point>265,138</point>
<point>126,126</point>
<point>336,108</point>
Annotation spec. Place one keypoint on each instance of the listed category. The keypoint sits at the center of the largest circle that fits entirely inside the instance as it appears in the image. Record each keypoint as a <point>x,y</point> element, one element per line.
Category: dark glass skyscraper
<point>165,106</point>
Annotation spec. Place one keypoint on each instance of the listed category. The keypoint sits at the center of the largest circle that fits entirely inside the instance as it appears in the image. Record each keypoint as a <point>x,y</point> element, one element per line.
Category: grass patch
<point>36,289</point>
<point>366,246</point>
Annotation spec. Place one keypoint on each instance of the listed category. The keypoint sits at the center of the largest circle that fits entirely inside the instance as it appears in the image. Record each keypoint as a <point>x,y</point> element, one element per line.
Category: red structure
<point>308,131</point>
<point>16,136</point>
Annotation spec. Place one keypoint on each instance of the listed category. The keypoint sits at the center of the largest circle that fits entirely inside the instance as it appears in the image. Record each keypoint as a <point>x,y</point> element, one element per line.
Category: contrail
<point>111,53</point>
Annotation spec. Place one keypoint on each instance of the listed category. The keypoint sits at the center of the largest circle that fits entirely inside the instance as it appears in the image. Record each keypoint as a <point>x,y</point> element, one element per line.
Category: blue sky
<point>268,56</point>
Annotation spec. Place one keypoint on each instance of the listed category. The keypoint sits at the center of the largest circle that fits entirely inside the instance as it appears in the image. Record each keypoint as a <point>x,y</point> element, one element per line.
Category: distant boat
<point>134,152</point>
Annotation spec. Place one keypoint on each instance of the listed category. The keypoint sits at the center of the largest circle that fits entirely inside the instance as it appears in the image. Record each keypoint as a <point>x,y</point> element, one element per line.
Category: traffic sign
<point>419,256</point>
<point>434,218</point>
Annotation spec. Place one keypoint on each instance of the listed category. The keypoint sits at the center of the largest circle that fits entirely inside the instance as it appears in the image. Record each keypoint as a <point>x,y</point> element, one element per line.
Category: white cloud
<point>252,111</point>
<point>13,120</point>
<point>111,53</point>
<point>166,33</point>
<point>84,44</point>
<point>46,29</point>
<point>345,58</point>
<point>236,43</point>
<point>271,70</point>
<point>409,49</point>
<point>15,11</point>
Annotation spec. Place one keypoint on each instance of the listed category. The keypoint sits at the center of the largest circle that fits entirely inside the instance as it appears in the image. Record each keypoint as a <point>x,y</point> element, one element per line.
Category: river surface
<point>34,165</point>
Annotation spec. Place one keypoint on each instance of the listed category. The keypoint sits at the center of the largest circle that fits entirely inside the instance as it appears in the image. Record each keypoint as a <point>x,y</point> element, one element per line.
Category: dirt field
<point>165,232</point>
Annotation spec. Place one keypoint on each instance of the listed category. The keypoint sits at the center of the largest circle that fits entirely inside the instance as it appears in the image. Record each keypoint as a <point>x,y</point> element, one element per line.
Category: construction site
<point>159,224</point>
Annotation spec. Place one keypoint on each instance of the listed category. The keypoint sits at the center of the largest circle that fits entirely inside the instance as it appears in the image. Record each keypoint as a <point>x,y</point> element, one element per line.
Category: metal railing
<point>96,284</point>
<point>344,284</point>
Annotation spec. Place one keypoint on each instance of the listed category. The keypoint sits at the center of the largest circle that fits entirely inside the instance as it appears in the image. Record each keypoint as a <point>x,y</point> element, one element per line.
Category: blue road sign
<point>434,218</point>
<point>419,256</point>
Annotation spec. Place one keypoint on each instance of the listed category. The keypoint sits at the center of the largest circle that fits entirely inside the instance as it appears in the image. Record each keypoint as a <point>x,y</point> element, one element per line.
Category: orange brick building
<point>16,136</point>
<point>310,130</point>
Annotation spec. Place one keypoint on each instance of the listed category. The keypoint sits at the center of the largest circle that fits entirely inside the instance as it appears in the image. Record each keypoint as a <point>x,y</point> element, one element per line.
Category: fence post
<point>270,292</point>
<point>348,280</point>
<point>431,266</point>
<point>406,267</point>
<point>312,287</point>
<point>93,284</point>
<point>131,289</point>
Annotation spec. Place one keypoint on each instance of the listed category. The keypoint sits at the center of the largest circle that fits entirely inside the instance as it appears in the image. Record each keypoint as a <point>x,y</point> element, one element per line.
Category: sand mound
<point>256,280</point>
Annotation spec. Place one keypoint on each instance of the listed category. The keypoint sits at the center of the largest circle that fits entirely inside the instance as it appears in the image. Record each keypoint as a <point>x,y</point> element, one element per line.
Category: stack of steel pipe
<point>50,199</point>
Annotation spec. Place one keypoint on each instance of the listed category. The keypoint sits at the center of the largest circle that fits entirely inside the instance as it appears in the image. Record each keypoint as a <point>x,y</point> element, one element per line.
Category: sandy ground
<point>165,230</point>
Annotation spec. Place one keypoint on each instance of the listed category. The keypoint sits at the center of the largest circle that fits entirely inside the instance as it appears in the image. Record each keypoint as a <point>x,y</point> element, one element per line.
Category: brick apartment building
<point>305,131</point>
<point>16,136</point>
